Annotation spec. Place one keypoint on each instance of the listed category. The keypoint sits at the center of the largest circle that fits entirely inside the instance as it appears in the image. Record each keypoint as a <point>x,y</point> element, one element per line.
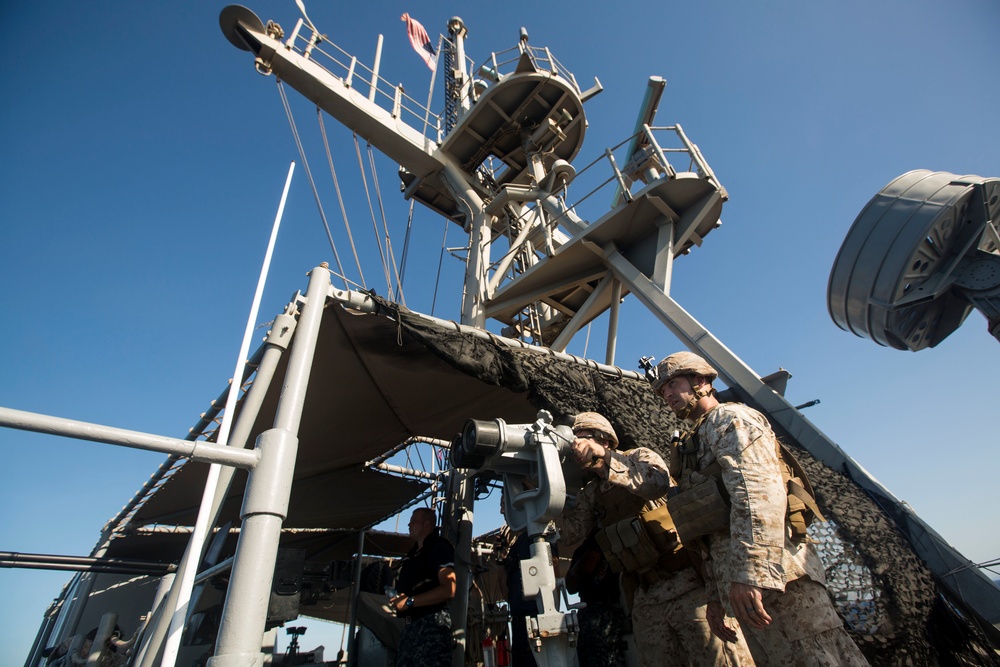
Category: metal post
<point>277,341</point>
<point>42,638</point>
<point>458,32</point>
<point>156,612</point>
<point>265,503</point>
<point>208,452</point>
<point>663,265</point>
<point>206,513</point>
<point>659,152</point>
<point>352,641</point>
<point>430,93</point>
<point>461,518</point>
<point>375,68</point>
<point>397,102</point>
<point>295,34</point>
<point>478,226</point>
<point>616,302</point>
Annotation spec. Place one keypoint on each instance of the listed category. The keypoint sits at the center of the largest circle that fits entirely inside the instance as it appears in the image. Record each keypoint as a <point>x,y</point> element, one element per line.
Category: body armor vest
<point>701,506</point>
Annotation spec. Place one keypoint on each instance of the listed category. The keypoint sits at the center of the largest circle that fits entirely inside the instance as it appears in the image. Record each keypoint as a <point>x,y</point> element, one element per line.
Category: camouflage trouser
<point>805,630</point>
<point>426,642</point>
<point>674,630</point>
<point>600,643</point>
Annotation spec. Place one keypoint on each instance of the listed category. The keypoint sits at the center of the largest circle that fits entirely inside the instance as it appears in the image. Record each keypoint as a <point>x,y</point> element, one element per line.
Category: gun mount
<point>537,477</point>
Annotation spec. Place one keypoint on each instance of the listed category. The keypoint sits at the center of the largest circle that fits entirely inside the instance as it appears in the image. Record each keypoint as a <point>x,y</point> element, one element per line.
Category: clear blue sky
<point>143,159</point>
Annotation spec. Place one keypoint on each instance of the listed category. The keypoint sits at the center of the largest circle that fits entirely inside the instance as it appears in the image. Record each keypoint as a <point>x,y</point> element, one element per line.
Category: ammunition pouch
<point>802,508</point>
<point>644,542</point>
<point>700,508</point>
<point>661,530</point>
<point>627,546</point>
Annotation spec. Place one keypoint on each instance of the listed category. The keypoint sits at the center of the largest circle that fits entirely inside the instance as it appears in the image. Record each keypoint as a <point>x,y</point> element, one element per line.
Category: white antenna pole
<point>201,528</point>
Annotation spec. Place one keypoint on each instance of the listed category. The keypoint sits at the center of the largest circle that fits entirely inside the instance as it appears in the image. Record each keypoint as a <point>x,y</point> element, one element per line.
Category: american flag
<point>420,41</point>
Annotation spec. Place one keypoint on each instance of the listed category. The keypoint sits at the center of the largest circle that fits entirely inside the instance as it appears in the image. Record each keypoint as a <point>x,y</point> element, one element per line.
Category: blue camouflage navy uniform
<point>426,639</point>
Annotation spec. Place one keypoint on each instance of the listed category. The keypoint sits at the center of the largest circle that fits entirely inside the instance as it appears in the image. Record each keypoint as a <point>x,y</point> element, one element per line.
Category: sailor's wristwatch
<point>408,603</point>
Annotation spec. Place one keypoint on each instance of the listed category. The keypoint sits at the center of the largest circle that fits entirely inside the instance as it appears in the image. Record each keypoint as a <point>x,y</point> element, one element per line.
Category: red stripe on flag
<point>420,41</point>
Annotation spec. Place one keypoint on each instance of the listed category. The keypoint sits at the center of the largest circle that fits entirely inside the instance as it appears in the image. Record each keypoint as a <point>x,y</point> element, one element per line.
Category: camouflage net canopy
<point>888,599</point>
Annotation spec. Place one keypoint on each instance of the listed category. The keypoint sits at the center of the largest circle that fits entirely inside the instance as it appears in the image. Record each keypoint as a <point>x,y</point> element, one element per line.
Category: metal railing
<point>351,71</point>
<point>495,66</point>
<point>618,174</point>
<point>615,168</point>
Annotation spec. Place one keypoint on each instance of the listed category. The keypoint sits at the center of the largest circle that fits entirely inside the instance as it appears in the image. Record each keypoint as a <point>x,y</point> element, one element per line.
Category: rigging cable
<point>340,196</point>
<point>385,224</point>
<point>437,280</point>
<point>406,250</point>
<point>312,183</point>
<point>378,241</point>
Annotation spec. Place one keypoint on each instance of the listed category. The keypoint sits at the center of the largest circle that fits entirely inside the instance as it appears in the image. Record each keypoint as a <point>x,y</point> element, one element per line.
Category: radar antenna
<point>921,255</point>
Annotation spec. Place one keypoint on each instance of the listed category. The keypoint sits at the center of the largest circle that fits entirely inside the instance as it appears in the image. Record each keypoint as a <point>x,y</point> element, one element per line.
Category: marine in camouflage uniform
<point>668,606</point>
<point>426,583</point>
<point>773,585</point>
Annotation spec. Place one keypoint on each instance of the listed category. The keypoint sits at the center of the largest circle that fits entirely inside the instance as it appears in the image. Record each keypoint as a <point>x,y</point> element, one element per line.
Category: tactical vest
<point>635,538</point>
<point>702,505</point>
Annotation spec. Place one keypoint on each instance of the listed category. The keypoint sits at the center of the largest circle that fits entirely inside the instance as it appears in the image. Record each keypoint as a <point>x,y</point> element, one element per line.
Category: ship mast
<point>497,163</point>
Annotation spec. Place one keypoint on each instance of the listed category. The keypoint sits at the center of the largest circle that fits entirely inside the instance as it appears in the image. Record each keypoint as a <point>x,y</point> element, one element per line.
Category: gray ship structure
<point>205,563</point>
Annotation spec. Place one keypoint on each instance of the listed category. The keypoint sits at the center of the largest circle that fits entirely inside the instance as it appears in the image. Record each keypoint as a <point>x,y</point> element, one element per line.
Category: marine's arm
<point>746,452</point>
<point>641,471</point>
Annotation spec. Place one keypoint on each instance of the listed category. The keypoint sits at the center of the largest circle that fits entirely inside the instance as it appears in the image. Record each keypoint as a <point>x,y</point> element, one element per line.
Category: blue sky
<point>144,158</point>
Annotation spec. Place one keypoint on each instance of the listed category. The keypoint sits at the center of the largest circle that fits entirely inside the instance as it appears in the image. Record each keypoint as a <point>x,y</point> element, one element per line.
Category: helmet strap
<point>698,393</point>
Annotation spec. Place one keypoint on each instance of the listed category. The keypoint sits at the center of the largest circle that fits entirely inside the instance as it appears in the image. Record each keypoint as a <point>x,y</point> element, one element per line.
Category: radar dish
<point>233,15</point>
<point>918,258</point>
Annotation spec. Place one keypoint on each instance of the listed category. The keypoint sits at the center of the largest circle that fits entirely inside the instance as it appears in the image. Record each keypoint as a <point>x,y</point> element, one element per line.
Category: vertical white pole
<point>201,528</point>
<point>378,61</point>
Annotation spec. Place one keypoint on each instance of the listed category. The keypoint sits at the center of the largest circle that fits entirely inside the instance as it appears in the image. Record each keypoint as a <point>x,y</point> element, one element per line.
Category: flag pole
<point>430,91</point>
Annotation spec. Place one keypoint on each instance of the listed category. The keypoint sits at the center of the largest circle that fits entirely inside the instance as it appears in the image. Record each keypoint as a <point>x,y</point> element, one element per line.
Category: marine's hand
<point>716,616</point>
<point>589,453</point>
<point>748,605</point>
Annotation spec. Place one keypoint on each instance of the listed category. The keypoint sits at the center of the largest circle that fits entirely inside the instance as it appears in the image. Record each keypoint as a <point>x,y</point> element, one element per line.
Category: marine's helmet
<point>682,363</point>
<point>595,422</point>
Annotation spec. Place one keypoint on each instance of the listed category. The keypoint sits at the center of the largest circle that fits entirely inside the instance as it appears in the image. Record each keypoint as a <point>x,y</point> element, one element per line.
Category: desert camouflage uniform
<point>805,628</point>
<point>426,640</point>
<point>668,617</point>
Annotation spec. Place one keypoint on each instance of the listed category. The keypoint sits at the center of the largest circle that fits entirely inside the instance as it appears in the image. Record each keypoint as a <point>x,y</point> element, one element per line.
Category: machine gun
<point>538,476</point>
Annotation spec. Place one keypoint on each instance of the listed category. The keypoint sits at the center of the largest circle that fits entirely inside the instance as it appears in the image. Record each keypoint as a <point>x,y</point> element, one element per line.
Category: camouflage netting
<point>889,600</point>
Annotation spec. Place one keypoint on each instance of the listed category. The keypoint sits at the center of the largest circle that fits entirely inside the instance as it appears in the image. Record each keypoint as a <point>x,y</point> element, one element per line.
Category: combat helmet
<point>682,363</point>
<point>596,422</point>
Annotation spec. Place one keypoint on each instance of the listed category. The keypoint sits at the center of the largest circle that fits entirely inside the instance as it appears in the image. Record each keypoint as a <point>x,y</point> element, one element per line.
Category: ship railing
<point>619,173</point>
<point>501,63</point>
<point>636,162</point>
<point>352,72</point>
